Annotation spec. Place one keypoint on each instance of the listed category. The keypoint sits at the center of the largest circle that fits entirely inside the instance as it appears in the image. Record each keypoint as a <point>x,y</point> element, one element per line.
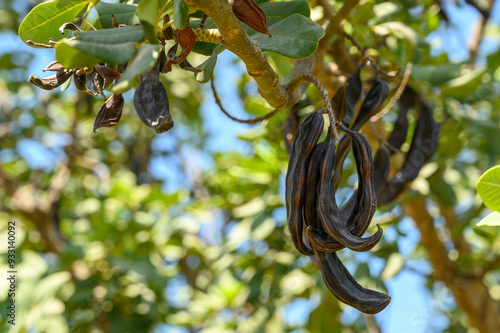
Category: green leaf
<point>295,37</point>
<point>436,74</point>
<point>488,187</point>
<point>181,13</point>
<point>143,61</point>
<point>275,12</point>
<point>464,85</point>
<point>124,14</point>
<point>147,11</point>
<point>208,66</point>
<point>113,46</point>
<point>71,57</point>
<point>44,20</point>
<point>492,220</point>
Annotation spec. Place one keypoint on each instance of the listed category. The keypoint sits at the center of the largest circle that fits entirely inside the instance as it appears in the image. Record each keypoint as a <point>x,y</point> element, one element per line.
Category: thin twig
<point>30,42</point>
<point>396,96</point>
<point>298,80</point>
<point>381,139</point>
<point>243,121</point>
<point>367,57</point>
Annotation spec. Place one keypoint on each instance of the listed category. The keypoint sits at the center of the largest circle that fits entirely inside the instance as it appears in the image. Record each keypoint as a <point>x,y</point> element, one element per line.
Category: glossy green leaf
<point>295,37</point>
<point>124,14</point>
<point>181,13</point>
<point>436,74</point>
<point>488,187</point>
<point>114,46</point>
<point>71,57</point>
<point>143,61</point>
<point>44,20</point>
<point>208,66</point>
<point>275,12</point>
<point>491,220</point>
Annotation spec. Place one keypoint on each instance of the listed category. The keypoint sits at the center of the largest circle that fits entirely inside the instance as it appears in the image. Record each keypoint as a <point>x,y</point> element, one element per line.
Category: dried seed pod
<point>81,83</point>
<point>305,140</point>
<point>398,135</point>
<point>51,82</point>
<point>107,73</point>
<point>330,214</point>
<point>252,15</point>
<point>151,101</point>
<point>423,145</point>
<point>109,114</point>
<point>186,40</point>
<point>352,95</point>
<point>343,285</point>
<point>338,103</point>
<point>372,103</point>
<point>54,66</point>
<point>312,176</point>
<point>68,26</point>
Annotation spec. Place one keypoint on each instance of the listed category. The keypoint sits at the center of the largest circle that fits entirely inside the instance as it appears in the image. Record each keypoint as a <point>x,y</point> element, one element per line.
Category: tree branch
<point>470,293</point>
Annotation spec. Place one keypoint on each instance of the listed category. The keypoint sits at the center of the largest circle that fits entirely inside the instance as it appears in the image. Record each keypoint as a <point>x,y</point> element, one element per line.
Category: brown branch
<point>333,27</point>
<point>478,31</point>
<point>470,293</point>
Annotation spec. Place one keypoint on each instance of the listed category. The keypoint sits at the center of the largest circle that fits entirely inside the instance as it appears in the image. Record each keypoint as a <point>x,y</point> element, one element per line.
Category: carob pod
<point>330,214</point>
<point>312,177</point>
<point>248,12</point>
<point>372,103</point>
<point>423,145</point>
<point>305,140</point>
<point>343,285</point>
<point>151,100</point>
<point>370,106</point>
<point>352,95</point>
<point>398,135</point>
<point>364,205</point>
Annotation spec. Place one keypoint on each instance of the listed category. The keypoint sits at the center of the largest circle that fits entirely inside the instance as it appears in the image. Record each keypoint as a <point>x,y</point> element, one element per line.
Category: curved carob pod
<point>305,140</point>
<point>372,103</point>
<point>423,145</point>
<point>352,95</point>
<point>312,177</point>
<point>329,212</point>
<point>381,169</point>
<point>408,99</point>
<point>365,201</point>
<point>343,285</point>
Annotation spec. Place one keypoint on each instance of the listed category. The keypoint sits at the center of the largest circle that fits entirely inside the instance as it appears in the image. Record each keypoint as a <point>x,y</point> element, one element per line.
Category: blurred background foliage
<point>125,230</point>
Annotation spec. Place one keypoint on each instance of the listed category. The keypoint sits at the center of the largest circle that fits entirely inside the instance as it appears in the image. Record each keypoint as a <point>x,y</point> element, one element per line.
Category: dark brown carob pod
<point>343,285</point>
<point>330,214</point>
<point>398,135</point>
<point>51,82</point>
<point>352,95</point>
<point>372,103</point>
<point>109,114</point>
<point>151,101</point>
<point>248,12</point>
<point>338,103</point>
<point>305,140</point>
<point>423,146</point>
<point>54,66</point>
<point>312,177</point>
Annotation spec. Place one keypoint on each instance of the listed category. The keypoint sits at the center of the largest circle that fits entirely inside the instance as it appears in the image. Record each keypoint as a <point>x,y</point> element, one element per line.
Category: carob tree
<point>127,48</point>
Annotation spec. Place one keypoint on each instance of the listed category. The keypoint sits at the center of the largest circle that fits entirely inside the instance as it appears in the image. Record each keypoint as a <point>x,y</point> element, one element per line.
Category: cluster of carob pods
<point>317,225</point>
